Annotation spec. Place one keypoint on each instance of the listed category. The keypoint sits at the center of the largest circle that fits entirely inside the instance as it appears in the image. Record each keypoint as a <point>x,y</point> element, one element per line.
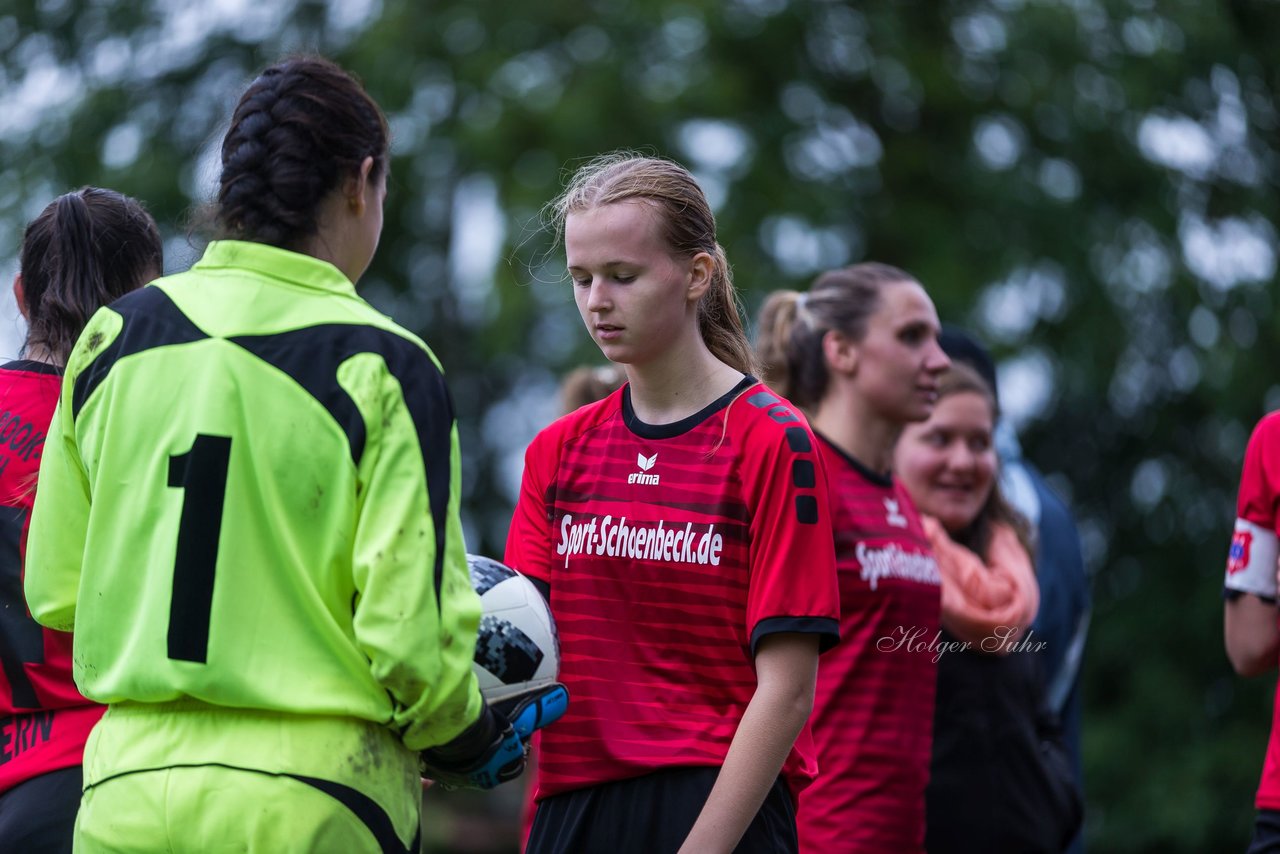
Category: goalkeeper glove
<point>485,754</point>
<point>530,712</point>
<point>492,750</point>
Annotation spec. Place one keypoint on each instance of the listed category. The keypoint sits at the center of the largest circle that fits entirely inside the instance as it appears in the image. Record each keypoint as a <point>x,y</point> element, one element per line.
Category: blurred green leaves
<point>1091,184</point>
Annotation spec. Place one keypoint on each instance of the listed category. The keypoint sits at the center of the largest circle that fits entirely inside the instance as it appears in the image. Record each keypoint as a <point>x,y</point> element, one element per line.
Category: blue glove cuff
<point>532,712</point>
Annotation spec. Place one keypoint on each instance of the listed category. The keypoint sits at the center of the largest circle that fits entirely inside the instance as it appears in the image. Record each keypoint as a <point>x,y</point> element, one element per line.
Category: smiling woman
<point>948,463</point>
<point>990,710</point>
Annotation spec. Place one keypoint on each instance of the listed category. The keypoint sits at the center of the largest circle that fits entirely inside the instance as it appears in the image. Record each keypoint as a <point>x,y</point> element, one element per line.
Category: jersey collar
<point>869,474</point>
<point>677,428</point>
<point>292,267</point>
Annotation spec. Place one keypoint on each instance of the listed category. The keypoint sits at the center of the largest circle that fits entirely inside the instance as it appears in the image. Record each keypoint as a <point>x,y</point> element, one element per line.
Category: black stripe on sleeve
<point>798,440</point>
<point>803,475</point>
<point>150,320</point>
<point>1230,595</point>
<point>762,400</point>
<point>431,408</point>
<point>826,628</point>
<point>806,509</point>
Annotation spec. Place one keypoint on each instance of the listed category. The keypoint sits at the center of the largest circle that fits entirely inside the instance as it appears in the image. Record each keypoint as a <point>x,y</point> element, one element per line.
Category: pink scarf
<point>987,604</point>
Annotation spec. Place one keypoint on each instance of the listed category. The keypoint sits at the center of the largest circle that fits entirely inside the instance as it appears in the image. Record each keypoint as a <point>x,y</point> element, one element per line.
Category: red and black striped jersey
<point>670,551</point>
<point>873,713</point>
<point>44,721</point>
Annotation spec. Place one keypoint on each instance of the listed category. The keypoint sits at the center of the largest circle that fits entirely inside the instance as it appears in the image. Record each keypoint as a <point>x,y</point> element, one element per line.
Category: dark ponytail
<point>83,251</point>
<point>301,128</point>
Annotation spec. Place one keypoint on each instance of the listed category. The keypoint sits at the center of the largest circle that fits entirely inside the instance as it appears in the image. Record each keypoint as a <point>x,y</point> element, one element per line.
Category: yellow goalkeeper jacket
<point>249,498</point>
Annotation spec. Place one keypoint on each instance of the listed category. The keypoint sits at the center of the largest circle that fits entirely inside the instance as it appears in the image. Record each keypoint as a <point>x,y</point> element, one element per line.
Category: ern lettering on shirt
<point>19,733</point>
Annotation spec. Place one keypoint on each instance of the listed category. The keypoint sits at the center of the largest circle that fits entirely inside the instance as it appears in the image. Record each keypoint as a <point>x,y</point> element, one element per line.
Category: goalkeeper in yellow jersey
<point>248,512</point>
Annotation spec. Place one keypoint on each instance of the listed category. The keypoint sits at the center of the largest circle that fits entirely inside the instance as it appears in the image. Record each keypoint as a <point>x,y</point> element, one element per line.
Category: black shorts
<point>652,815</point>
<point>39,816</point>
<point>1266,833</point>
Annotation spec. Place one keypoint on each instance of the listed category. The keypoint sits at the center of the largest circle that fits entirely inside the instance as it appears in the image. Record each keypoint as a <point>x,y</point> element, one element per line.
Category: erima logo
<point>642,476</point>
<point>893,514</point>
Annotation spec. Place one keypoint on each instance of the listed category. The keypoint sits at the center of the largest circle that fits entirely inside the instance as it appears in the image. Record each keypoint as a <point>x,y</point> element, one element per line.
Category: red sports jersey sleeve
<point>44,721</point>
<point>1251,561</point>
<point>873,710</point>
<point>670,551</point>
<point>780,481</point>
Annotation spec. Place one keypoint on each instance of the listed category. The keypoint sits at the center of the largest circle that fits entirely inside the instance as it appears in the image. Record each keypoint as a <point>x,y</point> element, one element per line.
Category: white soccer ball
<point>517,649</point>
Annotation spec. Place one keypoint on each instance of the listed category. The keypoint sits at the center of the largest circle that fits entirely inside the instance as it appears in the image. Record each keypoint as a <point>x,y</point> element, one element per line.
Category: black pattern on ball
<point>506,652</point>
<point>486,573</point>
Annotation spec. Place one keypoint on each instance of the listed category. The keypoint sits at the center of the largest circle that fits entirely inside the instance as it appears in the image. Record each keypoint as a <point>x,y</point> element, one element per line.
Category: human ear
<point>840,352</point>
<point>20,295</point>
<point>701,272</point>
<point>355,186</point>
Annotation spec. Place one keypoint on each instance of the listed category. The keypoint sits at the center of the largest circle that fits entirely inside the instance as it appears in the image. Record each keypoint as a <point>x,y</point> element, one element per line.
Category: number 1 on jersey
<point>202,475</point>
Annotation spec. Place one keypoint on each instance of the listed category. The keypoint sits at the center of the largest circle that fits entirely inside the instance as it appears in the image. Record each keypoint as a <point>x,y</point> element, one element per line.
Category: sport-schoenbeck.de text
<point>695,544</point>
<point>892,561</point>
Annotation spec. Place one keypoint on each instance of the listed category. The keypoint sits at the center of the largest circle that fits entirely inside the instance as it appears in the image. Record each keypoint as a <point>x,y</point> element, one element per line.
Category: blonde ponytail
<point>720,318</point>
<point>773,341</point>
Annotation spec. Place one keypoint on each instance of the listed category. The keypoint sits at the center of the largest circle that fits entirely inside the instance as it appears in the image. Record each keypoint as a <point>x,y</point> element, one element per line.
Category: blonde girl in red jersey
<point>859,351</point>
<point>680,527</point>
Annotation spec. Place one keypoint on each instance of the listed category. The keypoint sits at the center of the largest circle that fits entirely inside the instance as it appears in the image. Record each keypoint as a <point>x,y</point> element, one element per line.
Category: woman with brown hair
<point>999,777</point>
<point>679,527</point>
<point>859,351</point>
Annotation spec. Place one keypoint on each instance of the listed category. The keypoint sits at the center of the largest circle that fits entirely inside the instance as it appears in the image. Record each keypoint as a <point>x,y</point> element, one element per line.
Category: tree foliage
<point>1091,184</point>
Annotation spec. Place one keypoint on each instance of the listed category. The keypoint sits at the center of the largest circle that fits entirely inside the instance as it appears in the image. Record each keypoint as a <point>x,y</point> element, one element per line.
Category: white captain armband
<point>1251,563</point>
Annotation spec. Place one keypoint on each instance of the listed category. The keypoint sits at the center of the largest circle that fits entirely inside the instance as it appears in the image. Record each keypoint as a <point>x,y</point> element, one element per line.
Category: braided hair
<point>300,129</point>
<point>83,251</point>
